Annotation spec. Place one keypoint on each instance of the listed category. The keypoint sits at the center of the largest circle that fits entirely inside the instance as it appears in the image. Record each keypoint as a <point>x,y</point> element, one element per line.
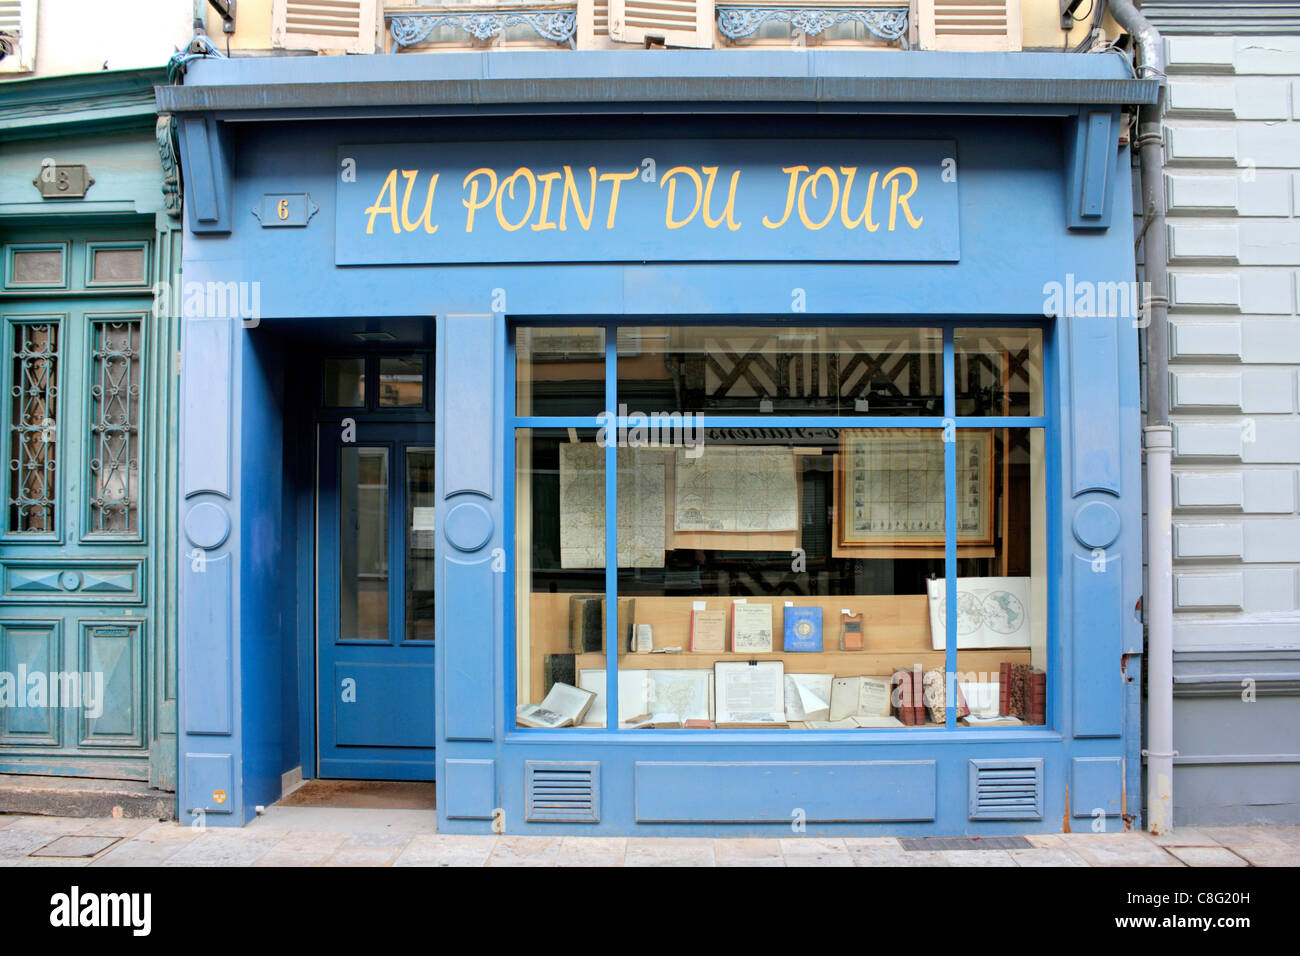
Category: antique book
<point>865,696</point>
<point>563,706</point>
<point>908,696</point>
<point>1038,698</point>
<point>749,693</point>
<point>850,631</point>
<point>807,696</point>
<point>981,697</point>
<point>936,697</point>
<point>1018,692</point>
<point>868,721</point>
<point>643,639</point>
<point>559,669</point>
<point>844,723</point>
<point>1004,687</point>
<point>998,721</point>
<point>751,628</point>
<point>664,698</point>
<point>586,623</point>
<point>708,631</point>
<point>803,629</point>
<point>626,608</point>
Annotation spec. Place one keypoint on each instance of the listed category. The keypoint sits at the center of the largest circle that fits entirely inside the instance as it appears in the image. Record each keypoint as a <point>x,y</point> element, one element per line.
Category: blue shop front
<point>717,443</point>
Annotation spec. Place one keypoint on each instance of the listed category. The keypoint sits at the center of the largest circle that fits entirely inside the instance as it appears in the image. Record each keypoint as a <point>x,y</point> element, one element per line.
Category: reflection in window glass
<point>559,371</point>
<point>781,370</point>
<point>421,525</point>
<point>999,371</point>
<point>345,382</point>
<point>401,381</point>
<point>363,543</point>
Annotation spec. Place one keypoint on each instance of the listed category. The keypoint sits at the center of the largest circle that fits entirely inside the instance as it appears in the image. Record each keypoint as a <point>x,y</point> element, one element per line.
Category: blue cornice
<point>106,101</point>
<point>719,80</point>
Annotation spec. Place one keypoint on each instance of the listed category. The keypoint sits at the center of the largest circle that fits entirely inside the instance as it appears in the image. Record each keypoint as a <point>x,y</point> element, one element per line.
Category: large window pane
<point>1002,594</point>
<point>560,555</point>
<point>999,371</point>
<point>559,371</point>
<point>781,370</point>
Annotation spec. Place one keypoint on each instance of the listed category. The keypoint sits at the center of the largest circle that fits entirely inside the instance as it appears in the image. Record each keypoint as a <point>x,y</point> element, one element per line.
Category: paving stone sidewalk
<point>308,836</point>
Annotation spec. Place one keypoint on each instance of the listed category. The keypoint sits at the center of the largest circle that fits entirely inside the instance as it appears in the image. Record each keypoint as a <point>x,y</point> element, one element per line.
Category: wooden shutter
<point>992,25</point>
<point>347,25</point>
<point>593,25</point>
<point>686,23</point>
<point>18,21</point>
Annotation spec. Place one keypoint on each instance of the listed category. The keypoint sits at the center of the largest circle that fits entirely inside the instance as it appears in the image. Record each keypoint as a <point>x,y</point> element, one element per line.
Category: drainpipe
<point>1158,601</point>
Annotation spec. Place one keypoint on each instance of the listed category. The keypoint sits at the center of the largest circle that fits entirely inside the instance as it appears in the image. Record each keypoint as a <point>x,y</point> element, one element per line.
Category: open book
<point>563,706</point>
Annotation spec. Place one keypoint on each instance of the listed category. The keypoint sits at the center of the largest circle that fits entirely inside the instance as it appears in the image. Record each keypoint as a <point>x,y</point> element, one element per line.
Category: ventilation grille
<point>1006,789</point>
<point>332,18</point>
<point>562,792</point>
<point>962,18</point>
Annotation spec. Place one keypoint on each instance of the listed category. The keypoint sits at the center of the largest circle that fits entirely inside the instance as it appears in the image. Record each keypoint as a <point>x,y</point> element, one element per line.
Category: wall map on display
<point>642,514</point>
<point>892,486</point>
<point>991,612</point>
<point>747,488</point>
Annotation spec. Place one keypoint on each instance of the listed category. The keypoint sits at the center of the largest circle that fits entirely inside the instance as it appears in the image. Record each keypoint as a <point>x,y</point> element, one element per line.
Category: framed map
<point>891,489</point>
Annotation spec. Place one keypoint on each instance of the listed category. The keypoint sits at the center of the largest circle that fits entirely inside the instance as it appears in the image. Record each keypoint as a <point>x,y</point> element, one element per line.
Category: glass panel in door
<point>363,543</point>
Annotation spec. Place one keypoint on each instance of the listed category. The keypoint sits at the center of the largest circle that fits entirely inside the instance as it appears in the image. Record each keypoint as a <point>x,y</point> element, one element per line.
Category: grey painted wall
<point>1232,179</point>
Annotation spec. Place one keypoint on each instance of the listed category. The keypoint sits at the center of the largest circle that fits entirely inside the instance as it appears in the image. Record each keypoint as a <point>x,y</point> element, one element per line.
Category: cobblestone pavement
<point>305,836</point>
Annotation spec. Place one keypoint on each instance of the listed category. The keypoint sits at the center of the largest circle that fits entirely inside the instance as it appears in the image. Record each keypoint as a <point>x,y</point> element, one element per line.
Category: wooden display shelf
<point>896,631</point>
<point>840,663</point>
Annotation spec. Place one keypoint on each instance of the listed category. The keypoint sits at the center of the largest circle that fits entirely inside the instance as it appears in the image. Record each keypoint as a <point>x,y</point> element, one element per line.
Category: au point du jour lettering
<point>563,199</point>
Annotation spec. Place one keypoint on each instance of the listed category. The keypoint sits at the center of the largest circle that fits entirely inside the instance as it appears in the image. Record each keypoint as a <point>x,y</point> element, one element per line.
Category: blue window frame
<point>1038,418</point>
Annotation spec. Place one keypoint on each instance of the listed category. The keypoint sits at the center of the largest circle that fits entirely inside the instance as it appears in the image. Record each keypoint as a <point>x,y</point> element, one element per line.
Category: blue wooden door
<point>375,573</point>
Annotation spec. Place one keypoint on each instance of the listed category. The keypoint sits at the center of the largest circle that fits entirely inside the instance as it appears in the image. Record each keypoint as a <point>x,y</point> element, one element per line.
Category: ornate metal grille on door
<point>33,462</point>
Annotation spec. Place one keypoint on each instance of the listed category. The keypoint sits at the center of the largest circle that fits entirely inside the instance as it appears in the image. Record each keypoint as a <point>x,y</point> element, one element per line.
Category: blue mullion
<point>950,528</point>
<point>552,421</point>
<point>1003,421</point>
<point>510,593</point>
<point>611,540</point>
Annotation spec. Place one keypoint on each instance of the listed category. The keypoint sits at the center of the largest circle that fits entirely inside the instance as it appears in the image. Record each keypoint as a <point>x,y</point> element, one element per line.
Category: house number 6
<point>282,210</point>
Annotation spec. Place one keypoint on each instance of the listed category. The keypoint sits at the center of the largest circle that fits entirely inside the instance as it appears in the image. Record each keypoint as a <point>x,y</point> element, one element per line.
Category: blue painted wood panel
<point>467,369</point>
<point>1096,783</point>
<point>1094,402</point>
<point>206,407</point>
<point>392,707</point>
<point>1097,638</point>
<point>469,788</point>
<point>208,782</point>
<point>469,600</point>
<point>206,679</point>
<point>822,792</point>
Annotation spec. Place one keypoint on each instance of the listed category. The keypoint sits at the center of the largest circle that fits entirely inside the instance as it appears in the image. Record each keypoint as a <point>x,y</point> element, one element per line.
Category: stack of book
<point>1022,693</point>
<point>909,697</point>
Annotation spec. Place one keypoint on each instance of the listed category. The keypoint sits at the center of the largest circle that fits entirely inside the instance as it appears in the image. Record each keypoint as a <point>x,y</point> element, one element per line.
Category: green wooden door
<point>81,433</point>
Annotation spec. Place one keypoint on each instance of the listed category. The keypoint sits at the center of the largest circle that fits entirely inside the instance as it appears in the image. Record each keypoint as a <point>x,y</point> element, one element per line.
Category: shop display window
<point>788,510</point>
